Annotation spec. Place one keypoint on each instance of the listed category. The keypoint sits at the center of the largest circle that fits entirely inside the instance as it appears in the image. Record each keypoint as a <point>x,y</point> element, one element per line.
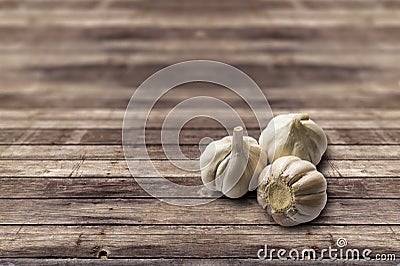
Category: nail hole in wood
<point>103,254</point>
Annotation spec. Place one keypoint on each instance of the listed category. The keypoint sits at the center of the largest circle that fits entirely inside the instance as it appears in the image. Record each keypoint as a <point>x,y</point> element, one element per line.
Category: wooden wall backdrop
<point>68,69</point>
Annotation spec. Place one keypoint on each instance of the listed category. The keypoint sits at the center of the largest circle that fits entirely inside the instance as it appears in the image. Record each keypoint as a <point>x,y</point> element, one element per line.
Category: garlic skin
<point>292,191</point>
<point>232,164</point>
<point>293,134</point>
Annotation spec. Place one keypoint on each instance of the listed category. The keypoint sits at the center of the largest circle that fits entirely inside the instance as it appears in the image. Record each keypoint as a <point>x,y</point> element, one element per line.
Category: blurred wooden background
<point>69,68</point>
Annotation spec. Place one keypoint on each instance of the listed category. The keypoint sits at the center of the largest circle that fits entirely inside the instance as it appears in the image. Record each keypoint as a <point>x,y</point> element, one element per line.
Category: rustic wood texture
<point>69,68</point>
<point>186,241</point>
<point>182,261</point>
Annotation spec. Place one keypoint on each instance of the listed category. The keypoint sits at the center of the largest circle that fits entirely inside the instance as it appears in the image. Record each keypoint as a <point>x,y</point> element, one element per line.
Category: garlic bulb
<point>293,134</point>
<point>232,164</point>
<point>292,190</point>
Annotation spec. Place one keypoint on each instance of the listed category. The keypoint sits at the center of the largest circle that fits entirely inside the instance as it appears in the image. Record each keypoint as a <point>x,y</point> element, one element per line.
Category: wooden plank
<point>279,57</point>
<point>361,137</point>
<point>159,113</point>
<point>341,96</point>
<point>199,46</point>
<point>49,188</point>
<point>333,90</point>
<point>111,118</point>
<point>118,114</point>
<point>157,152</point>
<point>180,261</point>
<point>187,241</point>
<point>206,5</point>
<point>194,136</point>
<point>119,168</point>
<point>52,100</point>
<point>299,14</point>
<point>126,40</point>
<point>247,18</point>
<point>117,39</point>
<point>46,62</point>
<point>154,211</point>
<point>187,137</point>
<point>198,123</point>
<point>362,152</point>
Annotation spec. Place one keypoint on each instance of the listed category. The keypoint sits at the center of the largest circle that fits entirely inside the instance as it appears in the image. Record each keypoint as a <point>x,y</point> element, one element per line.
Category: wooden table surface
<point>69,68</point>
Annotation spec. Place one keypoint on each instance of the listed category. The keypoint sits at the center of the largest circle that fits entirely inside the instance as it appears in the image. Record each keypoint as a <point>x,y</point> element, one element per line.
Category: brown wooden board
<point>69,68</point>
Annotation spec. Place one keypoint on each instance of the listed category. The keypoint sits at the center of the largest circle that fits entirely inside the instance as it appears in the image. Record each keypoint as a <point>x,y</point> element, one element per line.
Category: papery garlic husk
<point>293,134</point>
<point>232,164</point>
<point>292,191</point>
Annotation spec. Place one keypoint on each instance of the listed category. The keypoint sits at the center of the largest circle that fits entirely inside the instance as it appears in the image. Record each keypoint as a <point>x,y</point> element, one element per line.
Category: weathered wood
<point>69,68</point>
<point>119,168</point>
<point>239,46</point>
<point>320,114</point>
<point>388,101</point>
<point>206,5</point>
<point>180,261</point>
<point>201,123</point>
<point>348,62</point>
<point>153,211</point>
<point>334,90</point>
<point>75,43</point>
<point>344,95</point>
<point>158,152</point>
<point>247,18</point>
<point>192,137</point>
<point>187,241</point>
<point>19,187</point>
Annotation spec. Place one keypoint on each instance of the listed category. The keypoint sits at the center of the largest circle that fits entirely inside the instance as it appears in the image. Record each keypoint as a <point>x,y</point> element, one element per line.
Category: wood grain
<point>180,261</point>
<point>320,114</point>
<point>187,137</point>
<point>158,152</point>
<point>116,187</point>
<point>346,95</point>
<point>186,241</point>
<point>119,168</point>
<point>199,123</point>
<point>69,68</point>
<point>206,5</point>
<point>153,211</point>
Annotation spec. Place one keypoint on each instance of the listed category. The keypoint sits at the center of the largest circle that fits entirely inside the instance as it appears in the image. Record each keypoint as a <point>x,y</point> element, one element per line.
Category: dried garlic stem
<point>237,140</point>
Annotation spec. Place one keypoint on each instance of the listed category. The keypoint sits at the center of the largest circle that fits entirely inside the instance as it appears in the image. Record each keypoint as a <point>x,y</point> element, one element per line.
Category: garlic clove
<point>311,204</point>
<point>280,166</point>
<point>293,134</point>
<point>214,153</point>
<point>230,182</point>
<point>293,172</point>
<point>295,217</point>
<point>257,162</point>
<point>235,167</point>
<point>292,191</point>
<point>266,172</point>
<point>313,182</point>
<point>230,171</point>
